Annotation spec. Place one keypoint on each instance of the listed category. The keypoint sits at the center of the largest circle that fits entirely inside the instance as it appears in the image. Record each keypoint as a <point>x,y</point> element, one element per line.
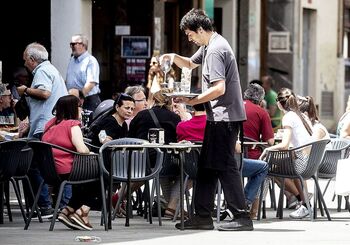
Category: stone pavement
<point>267,231</point>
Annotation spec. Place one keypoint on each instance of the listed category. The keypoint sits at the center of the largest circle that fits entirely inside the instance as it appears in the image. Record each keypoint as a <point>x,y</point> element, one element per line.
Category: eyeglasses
<point>73,44</point>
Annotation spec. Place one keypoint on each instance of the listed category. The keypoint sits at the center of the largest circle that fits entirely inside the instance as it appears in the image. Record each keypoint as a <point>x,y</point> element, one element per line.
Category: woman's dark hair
<point>121,98</point>
<point>306,104</point>
<point>195,19</point>
<point>289,102</point>
<point>66,108</point>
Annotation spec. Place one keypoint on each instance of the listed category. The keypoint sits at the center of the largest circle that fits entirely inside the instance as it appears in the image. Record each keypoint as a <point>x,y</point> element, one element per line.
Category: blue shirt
<point>46,77</point>
<point>81,70</point>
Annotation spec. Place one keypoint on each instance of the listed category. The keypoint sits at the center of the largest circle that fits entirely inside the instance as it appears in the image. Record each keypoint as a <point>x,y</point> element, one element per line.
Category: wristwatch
<point>25,92</point>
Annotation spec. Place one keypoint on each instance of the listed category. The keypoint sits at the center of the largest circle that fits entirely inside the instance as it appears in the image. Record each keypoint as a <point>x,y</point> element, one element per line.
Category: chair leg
<point>339,203</point>
<point>120,199</point>
<point>279,213</point>
<point>322,199</point>
<point>260,200</point>
<point>104,206</point>
<point>19,197</point>
<point>31,192</point>
<point>59,197</point>
<point>35,206</point>
<point>7,200</point>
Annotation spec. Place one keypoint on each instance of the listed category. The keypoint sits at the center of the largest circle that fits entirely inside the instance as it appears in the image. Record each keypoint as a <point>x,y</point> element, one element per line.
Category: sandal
<point>64,218</point>
<point>78,219</point>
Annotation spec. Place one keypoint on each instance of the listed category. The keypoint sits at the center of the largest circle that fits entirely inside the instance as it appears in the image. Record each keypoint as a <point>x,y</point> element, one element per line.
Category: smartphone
<point>102,136</point>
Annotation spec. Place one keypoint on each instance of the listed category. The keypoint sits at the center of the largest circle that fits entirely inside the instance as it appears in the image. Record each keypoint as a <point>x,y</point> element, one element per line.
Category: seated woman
<point>307,106</point>
<point>114,125</point>
<point>66,125</point>
<point>297,131</point>
<point>168,120</point>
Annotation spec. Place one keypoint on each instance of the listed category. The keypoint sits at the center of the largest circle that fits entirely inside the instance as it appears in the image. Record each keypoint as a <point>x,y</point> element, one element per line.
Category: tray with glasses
<point>181,94</point>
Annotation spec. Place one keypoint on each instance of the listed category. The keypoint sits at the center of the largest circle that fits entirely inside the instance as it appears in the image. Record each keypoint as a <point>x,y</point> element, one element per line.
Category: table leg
<point>182,159</point>
<point>128,204</point>
<point>110,193</point>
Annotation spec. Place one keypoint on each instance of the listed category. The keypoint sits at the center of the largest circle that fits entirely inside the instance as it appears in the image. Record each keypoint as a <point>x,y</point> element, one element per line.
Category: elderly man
<point>83,72</point>
<point>258,123</point>
<point>47,87</point>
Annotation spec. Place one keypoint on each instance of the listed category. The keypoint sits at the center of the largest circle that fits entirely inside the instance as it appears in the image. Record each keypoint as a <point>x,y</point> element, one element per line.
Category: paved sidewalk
<point>269,231</point>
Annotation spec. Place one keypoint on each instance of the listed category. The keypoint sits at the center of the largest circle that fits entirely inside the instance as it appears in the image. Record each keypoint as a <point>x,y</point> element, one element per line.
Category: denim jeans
<point>256,171</point>
<point>35,179</point>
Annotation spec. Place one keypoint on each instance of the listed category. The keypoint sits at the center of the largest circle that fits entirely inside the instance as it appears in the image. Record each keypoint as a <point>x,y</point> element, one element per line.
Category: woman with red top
<point>66,125</point>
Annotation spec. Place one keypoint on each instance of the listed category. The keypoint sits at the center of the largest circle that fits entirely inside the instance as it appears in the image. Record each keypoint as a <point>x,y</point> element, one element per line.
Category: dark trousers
<point>228,172</point>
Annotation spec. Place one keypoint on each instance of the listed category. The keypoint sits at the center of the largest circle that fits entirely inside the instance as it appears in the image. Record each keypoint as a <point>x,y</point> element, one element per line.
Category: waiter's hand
<point>182,99</point>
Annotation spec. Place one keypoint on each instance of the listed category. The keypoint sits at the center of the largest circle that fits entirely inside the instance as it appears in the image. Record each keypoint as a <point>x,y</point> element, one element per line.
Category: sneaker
<point>46,213</point>
<point>224,214</point>
<point>300,213</point>
<point>197,223</point>
<point>240,224</point>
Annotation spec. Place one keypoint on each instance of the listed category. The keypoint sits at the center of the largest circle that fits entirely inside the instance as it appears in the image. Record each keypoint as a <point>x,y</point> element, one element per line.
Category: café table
<point>176,148</point>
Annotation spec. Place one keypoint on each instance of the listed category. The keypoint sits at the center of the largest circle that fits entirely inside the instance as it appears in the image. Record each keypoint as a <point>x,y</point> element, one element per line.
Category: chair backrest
<point>328,166</point>
<point>44,160</point>
<point>140,168</point>
<point>10,157</point>
<point>25,161</point>
<point>84,166</point>
<point>300,161</point>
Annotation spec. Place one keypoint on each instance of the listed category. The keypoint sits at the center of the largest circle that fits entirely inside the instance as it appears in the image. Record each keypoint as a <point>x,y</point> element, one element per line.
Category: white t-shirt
<point>300,135</point>
<point>318,126</point>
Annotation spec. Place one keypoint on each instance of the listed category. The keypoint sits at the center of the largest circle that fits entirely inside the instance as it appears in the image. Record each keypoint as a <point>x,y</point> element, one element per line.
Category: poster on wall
<point>279,42</point>
<point>136,47</point>
<point>136,70</point>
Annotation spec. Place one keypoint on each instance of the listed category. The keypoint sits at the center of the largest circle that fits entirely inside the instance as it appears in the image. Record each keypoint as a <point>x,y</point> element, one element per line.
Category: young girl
<point>297,131</point>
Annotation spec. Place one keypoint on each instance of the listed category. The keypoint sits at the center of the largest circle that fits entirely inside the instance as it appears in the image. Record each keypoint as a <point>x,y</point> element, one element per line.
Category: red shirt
<point>61,135</point>
<point>257,126</point>
<point>192,130</point>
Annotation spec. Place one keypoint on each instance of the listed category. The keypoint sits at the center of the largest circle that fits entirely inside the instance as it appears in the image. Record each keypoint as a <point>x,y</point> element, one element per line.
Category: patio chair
<point>86,169</point>
<point>328,166</point>
<point>285,164</point>
<point>12,158</point>
<point>140,170</point>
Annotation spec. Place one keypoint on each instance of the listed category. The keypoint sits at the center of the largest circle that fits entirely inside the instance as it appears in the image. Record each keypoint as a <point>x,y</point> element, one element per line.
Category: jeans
<point>256,171</point>
<point>35,179</point>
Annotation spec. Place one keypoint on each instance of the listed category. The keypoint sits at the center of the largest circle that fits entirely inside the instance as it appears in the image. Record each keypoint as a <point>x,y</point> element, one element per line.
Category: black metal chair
<point>24,163</point>
<point>14,160</point>
<point>328,166</point>
<point>86,169</point>
<point>139,170</point>
<point>287,164</point>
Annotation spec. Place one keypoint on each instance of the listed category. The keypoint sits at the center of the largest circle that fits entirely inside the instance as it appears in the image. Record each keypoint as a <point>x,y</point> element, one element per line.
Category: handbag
<point>342,183</point>
<point>22,108</point>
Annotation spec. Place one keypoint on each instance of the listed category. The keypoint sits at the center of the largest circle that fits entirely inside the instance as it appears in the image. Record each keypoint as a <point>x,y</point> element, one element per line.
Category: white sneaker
<point>300,213</point>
